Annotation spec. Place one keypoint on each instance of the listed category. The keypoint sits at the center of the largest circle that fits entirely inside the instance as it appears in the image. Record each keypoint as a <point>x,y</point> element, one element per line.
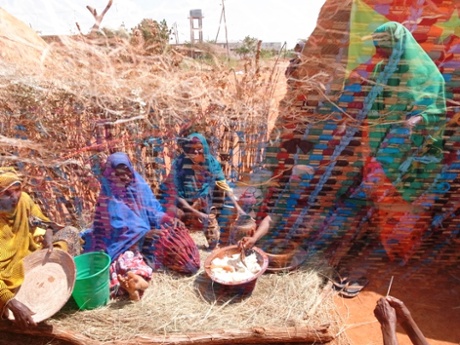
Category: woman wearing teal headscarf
<point>404,134</point>
<point>407,118</point>
<point>189,191</point>
<point>401,120</point>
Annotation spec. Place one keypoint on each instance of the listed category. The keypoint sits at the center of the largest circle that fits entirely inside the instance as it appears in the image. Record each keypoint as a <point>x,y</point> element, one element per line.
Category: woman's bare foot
<point>134,284</point>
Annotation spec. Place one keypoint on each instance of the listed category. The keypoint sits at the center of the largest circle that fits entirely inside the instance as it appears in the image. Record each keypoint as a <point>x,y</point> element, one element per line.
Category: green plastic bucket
<point>92,289</point>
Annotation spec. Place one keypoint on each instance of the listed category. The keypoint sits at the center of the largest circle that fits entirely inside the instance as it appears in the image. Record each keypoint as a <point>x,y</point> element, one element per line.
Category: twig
<point>389,286</point>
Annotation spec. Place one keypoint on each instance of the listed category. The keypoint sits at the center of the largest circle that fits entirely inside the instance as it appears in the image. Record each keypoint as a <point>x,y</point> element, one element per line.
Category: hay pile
<point>175,304</point>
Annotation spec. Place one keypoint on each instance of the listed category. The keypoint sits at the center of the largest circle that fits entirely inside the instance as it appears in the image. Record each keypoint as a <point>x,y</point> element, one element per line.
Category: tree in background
<point>248,47</point>
<point>151,35</point>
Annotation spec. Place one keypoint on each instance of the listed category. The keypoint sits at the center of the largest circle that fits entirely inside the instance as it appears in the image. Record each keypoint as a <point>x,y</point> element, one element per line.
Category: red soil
<point>432,294</point>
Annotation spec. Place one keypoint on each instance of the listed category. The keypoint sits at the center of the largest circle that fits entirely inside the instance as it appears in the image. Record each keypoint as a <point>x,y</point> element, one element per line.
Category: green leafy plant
<point>248,47</point>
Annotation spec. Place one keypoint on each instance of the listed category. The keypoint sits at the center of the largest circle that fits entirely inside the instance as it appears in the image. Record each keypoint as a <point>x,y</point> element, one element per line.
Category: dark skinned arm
<point>48,240</point>
<point>22,314</point>
<point>386,315</point>
<point>407,322</point>
<point>248,242</point>
<point>187,206</point>
<point>235,202</point>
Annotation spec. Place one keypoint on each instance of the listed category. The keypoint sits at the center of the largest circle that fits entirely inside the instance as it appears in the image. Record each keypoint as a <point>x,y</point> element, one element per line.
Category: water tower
<point>196,26</point>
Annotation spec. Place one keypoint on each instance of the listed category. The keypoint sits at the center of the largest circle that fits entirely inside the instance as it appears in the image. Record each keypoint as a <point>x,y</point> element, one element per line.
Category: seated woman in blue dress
<point>130,226</point>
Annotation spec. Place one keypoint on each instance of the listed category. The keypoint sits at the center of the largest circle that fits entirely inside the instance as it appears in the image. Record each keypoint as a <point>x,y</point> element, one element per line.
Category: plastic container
<point>92,288</point>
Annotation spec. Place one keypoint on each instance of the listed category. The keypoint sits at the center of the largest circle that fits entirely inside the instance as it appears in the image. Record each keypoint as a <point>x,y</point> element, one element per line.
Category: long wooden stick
<point>48,331</point>
<point>255,335</point>
<point>389,286</point>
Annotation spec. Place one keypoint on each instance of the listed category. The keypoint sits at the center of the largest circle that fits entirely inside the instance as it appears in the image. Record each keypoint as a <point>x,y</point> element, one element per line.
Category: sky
<point>267,20</point>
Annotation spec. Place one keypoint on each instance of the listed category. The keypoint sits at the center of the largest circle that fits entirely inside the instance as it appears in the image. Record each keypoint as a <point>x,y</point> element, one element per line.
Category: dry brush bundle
<point>94,95</point>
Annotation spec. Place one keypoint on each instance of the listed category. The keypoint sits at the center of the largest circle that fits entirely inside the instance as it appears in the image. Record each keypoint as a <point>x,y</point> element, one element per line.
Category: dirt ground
<point>432,294</point>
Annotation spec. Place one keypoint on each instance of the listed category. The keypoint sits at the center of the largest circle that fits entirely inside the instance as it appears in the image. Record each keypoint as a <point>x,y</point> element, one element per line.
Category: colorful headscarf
<point>191,183</point>
<point>124,214</point>
<point>414,82</point>
<point>8,177</point>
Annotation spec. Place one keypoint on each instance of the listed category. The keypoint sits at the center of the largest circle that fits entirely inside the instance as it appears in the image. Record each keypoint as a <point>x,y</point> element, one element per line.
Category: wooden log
<point>255,335</point>
<point>48,331</point>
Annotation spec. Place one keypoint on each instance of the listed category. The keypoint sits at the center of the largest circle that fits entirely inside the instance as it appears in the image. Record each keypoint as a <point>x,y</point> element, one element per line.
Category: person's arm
<point>249,241</point>
<point>222,184</point>
<point>48,239</point>
<point>386,316</point>
<point>235,202</point>
<point>414,120</point>
<point>22,314</point>
<point>407,322</point>
<point>187,206</point>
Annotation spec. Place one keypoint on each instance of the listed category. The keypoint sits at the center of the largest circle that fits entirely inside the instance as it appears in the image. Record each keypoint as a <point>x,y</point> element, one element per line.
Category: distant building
<point>276,46</point>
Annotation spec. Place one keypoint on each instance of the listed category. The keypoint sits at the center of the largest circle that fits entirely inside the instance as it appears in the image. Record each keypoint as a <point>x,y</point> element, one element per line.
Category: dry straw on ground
<point>176,304</point>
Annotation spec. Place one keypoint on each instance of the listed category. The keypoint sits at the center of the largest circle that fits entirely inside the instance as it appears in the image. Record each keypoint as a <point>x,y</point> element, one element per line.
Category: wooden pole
<point>225,26</point>
<point>256,335</point>
<point>48,331</point>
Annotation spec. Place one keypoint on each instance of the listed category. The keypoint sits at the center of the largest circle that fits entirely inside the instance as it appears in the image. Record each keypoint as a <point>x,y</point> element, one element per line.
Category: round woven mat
<point>48,283</point>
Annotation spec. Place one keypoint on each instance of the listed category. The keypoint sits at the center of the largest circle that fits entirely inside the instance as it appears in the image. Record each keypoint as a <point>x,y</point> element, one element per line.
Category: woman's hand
<point>202,216</point>
<point>401,310</point>
<point>22,314</point>
<point>407,322</point>
<point>155,233</point>
<point>168,220</point>
<point>175,212</point>
<point>48,240</point>
<point>247,242</point>
<point>413,121</point>
<point>385,313</point>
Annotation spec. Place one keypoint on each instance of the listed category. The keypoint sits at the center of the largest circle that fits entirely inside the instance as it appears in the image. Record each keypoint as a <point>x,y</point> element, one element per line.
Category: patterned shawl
<point>124,214</point>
